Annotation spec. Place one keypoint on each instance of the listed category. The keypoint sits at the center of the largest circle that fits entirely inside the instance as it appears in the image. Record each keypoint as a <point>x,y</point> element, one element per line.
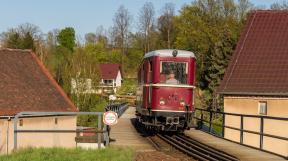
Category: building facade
<point>26,85</point>
<point>111,77</point>
<point>256,83</point>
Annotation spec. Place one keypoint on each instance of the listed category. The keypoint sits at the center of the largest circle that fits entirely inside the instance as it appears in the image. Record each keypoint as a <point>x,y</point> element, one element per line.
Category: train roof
<point>168,53</point>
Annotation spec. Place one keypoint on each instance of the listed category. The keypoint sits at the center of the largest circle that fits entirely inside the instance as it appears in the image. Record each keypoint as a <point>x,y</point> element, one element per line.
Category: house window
<point>21,122</point>
<point>262,108</point>
<point>56,121</point>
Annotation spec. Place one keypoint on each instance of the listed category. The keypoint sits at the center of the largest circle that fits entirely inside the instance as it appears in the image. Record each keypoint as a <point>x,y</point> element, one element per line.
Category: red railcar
<point>165,95</point>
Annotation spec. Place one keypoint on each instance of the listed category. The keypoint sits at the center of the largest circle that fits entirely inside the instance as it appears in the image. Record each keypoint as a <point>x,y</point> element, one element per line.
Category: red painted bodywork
<point>171,95</point>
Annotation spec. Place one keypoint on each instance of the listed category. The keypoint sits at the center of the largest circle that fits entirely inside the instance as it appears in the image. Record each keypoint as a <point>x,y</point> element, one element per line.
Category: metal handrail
<point>40,114</point>
<point>241,129</point>
<point>118,108</point>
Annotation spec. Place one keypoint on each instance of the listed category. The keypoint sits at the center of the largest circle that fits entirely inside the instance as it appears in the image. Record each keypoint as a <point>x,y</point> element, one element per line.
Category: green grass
<point>61,154</point>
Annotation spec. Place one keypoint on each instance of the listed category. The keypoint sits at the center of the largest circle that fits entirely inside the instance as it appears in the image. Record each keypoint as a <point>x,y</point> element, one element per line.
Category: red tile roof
<point>109,71</point>
<point>259,65</point>
<point>26,85</point>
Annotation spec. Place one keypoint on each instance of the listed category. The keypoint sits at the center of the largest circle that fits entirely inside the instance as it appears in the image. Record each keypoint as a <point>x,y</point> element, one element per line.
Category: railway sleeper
<point>212,152</point>
<point>188,150</point>
<point>181,148</point>
<point>203,146</point>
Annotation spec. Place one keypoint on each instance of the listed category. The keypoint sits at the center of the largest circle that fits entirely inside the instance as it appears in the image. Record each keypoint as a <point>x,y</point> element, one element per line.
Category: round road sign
<point>110,118</point>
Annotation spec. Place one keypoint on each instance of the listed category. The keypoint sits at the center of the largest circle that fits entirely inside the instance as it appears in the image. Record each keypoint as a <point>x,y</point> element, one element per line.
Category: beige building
<point>256,83</point>
<point>25,85</point>
<point>37,139</point>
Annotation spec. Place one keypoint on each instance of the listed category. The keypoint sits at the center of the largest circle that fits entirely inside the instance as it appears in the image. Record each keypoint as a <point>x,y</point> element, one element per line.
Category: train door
<point>148,78</point>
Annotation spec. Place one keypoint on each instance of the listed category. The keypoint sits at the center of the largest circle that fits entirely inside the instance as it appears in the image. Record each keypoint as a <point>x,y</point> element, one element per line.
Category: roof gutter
<point>6,117</point>
<point>254,93</point>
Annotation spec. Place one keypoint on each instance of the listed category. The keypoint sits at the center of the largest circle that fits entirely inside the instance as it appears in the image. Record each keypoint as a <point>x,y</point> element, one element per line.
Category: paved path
<point>237,150</point>
<point>126,135</point>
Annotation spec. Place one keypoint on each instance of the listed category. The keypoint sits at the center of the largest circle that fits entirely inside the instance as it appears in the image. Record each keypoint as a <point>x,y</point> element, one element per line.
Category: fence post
<point>98,131</point>
<point>241,130</point>
<point>223,124</point>
<point>210,121</point>
<point>106,128</point>
<point>261,132</point>
<point>201,123</point>
<point>15,132</point>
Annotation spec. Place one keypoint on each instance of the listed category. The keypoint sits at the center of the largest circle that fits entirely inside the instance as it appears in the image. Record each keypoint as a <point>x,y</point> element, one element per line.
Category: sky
<point>83,15</point>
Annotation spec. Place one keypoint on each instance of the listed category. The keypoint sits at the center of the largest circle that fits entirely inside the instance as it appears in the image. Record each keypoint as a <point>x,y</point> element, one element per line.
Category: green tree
<point>13,40</point>
<point>166,26</point>
<point>122,22</point>
<point>66,38</point>
<point>22,37</point>
<point>210,29</point>
<point>28,41</point>
<point>90,38</point>
<point>146,24</point>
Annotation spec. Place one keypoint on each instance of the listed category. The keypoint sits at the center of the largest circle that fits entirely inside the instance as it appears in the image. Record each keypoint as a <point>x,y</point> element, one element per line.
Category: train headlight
<point>182,103</point>
<point>174,53</point>
<point>162,102</point>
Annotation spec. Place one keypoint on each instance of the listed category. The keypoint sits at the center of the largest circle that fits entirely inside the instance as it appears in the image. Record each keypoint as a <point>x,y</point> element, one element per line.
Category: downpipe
<point>7,135</point>
<point>7,132</point>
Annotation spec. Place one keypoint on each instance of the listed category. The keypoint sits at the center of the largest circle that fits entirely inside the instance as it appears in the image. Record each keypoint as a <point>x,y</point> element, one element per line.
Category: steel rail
<point>154,143</point>
<point>184,148</point>
<point>206,149</point>
<point>196,149</point>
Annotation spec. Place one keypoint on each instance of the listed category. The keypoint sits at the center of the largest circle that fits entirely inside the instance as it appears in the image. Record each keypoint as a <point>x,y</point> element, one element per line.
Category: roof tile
<point>26,85</point>
<point>109,71</point>
<point>259,64</point>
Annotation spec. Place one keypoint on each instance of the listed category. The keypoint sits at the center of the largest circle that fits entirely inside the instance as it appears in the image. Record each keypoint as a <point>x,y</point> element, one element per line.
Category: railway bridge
<point>195,143</point>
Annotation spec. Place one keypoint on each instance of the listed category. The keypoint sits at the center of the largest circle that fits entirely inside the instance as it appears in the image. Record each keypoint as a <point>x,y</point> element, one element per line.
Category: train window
<point>150,71</point>
<point>175,72</point>
<point>142,74</point>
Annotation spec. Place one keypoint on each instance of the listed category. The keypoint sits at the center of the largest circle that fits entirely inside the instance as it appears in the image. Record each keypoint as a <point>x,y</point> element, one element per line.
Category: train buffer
<point>239,151</point>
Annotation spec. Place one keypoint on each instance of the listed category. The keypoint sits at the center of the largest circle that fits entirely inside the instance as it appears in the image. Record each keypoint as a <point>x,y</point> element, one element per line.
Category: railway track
<point>196,149</point>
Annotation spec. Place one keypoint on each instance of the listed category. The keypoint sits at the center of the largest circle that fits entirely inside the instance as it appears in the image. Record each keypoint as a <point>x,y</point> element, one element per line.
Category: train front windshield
<point>173,72</point>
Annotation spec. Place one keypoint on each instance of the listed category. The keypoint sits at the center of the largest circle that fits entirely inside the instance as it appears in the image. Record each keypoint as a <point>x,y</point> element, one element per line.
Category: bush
<point>89,103</point>
<point>128,86</point>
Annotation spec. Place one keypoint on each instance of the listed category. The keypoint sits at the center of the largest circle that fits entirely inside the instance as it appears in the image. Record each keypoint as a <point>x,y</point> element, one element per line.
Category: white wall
<point>118,79</point>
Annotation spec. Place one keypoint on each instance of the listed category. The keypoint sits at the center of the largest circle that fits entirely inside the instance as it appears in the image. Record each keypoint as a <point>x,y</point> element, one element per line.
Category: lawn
<point>61,154</point>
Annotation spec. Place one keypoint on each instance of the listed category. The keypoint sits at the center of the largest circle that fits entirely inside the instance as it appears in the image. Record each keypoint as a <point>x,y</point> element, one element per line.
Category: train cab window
<point>173,72</point>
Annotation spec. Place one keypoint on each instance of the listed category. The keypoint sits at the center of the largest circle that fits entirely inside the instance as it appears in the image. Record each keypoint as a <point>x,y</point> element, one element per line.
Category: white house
<point>110,81</point>
<point>111,76</point>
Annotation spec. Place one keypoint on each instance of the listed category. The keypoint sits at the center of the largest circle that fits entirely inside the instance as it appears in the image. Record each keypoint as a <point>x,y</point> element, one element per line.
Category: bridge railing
<point>100,131</point>
<point>206,122</point>
<point>118,108</point>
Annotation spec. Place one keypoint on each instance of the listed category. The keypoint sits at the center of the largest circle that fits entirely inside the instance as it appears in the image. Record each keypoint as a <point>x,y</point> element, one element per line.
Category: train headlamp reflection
<point>162,102</point>
<point>182,103</point>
